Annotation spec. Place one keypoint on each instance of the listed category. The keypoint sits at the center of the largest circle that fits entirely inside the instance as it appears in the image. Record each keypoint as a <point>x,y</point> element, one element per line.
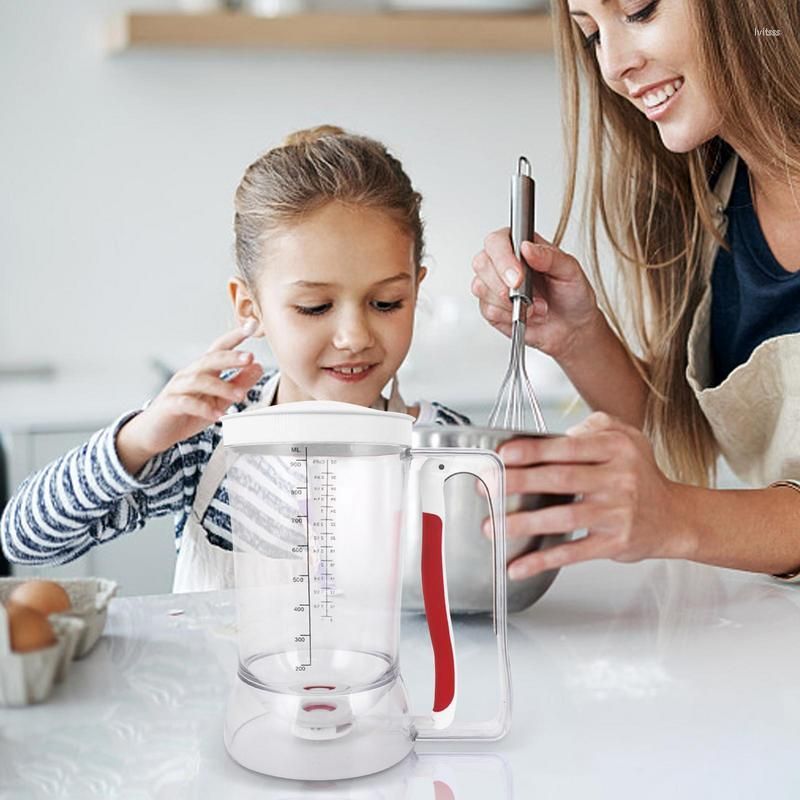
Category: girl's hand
<point>629,507</point>
<point>564,304</point>
<point>194,398</point>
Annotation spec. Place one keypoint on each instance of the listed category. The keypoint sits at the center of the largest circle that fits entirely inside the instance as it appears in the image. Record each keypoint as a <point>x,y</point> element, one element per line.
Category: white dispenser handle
<point>435,467</point>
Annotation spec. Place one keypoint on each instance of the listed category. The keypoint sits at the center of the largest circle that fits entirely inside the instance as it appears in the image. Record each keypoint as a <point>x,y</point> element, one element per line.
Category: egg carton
<point>89,599</point>
<point>29,677</point>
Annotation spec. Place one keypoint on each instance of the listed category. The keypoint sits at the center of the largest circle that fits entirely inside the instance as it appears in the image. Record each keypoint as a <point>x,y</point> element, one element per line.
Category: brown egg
<point>46,597</point>
<point>28,629</point>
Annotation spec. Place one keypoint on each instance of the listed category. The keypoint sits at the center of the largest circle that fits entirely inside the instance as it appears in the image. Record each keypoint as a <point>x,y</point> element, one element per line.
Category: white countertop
<point>651,680</point>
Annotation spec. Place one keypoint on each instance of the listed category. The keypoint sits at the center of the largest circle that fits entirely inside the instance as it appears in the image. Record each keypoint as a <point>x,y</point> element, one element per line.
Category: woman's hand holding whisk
<point>564,308</point>
<point>565,322</point>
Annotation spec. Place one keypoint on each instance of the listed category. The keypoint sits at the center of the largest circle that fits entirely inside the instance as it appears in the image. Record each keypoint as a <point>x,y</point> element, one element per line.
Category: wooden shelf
<point>365,31</point>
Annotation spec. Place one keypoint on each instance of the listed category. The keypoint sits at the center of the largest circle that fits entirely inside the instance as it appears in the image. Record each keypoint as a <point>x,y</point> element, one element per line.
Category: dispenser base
<point>331,737</point>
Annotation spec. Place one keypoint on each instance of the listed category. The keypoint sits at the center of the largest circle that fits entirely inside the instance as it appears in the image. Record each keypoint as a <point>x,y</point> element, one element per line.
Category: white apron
<point>755,412</point>
<point>202,566</point>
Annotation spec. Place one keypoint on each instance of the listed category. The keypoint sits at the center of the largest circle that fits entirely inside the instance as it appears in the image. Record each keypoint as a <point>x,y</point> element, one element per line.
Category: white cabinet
<point>141,562</point>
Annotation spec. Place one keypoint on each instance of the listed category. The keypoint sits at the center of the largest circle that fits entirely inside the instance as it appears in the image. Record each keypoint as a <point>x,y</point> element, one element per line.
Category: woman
<point>693,168</point>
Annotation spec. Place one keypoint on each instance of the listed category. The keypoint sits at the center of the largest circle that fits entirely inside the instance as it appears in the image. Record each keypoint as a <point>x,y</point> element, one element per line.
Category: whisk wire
<point>516,407</point>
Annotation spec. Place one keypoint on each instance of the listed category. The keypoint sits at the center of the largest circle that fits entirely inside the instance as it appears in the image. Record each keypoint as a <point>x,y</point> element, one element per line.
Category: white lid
<point>315,421</point>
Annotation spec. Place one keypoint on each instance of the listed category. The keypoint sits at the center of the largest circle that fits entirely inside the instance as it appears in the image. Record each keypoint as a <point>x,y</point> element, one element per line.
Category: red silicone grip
<point>435,599</point>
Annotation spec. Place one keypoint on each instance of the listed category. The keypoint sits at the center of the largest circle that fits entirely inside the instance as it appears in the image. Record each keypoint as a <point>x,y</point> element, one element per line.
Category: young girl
<point>694,174</point>
<point>329,244</point>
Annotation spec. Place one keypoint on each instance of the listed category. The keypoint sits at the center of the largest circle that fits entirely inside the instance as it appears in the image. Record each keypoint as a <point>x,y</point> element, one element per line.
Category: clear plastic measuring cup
<point>319,496</point>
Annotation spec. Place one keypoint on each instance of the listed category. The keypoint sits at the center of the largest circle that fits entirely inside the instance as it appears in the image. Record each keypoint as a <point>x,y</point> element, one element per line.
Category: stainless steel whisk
<point>516,407</point>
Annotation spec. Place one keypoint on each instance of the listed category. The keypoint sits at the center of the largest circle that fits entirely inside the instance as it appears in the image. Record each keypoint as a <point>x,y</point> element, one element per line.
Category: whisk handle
<point>523,206</point>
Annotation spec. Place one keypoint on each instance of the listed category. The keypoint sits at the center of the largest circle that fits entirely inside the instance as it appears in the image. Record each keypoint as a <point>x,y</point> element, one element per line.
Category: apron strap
<point>395,401</point>
<point>213,473</point>
<point>718,200</point>
<point>721,194</point>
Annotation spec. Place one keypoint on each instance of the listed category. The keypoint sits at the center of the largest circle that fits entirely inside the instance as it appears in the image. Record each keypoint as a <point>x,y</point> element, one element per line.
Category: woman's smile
<point>656,101</point>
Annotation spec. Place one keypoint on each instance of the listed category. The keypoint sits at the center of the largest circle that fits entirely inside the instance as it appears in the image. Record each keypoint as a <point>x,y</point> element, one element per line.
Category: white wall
<point>118,174</point>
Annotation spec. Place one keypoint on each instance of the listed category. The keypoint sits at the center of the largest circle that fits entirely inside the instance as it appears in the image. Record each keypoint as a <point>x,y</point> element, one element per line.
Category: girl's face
<point>645,51</point>
<point>335,300</point>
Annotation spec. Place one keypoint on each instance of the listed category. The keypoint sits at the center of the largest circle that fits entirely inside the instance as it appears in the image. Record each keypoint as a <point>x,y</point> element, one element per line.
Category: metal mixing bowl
<point>468,553</point>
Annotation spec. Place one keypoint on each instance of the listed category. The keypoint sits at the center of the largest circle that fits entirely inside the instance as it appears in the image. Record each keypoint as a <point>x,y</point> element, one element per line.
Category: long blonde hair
<point>652,203</point>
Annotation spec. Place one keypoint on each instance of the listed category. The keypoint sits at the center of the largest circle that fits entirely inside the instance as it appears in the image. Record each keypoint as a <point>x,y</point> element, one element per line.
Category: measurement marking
<point>308,564</point>
<point>326,546</point>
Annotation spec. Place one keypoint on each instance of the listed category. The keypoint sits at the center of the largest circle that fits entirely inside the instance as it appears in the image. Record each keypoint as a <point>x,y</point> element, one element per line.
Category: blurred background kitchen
<point>119,168</point>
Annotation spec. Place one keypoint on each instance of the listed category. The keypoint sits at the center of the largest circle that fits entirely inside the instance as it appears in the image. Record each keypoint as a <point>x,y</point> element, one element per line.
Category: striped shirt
<point>86,497</point>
